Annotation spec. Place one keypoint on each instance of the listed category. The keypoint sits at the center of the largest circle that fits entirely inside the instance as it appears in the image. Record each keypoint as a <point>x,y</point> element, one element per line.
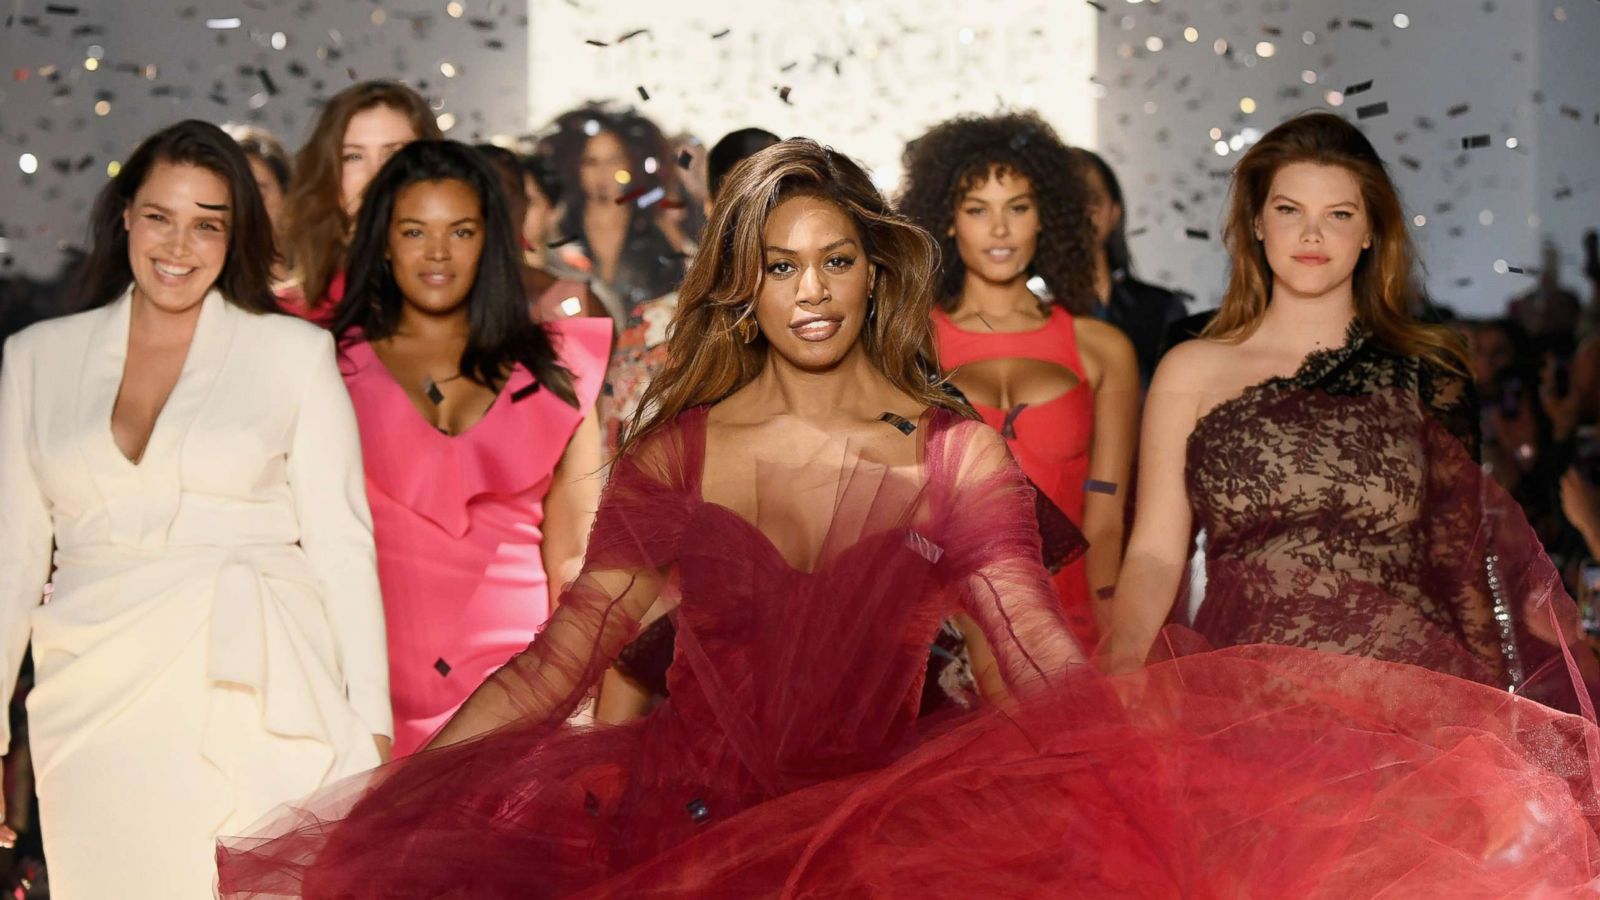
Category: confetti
<point>1459,109</point>
<point>1358,88</point>
<point>632,34</point>
<point>1199,234</point>
<point>1371,110</point>
<point>1474,142</point>
<point>904,425</point>
<point>643,94</point>
<point>685,159</point>
<point>1100,487</point>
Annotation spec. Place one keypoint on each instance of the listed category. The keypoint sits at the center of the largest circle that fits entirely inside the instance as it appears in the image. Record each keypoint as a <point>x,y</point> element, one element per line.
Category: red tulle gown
<point>788,761</point>
<point>1050,440</point>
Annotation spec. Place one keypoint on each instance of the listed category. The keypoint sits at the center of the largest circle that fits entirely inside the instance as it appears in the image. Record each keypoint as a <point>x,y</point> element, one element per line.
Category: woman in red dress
<point>1007,199</point>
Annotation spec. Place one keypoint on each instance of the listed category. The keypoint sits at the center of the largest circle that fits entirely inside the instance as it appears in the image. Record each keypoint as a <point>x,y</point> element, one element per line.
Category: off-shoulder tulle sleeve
<point>635,538</point>
<point>991,546</point>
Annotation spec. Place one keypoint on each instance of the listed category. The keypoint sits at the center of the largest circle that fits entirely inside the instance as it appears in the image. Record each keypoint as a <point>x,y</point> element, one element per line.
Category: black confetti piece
<point>698,811</point>
<point>643,94</point>
<point>904,425</point>
<point>1516,270</point>
<point>1474,142</point>
<point>594,43</point>
<point>58,10</point>
<point>1199,234</point>
<point>1008,428</point>
<point>1371,110</point>
<point>1411,162</point>
<point>1358,88</point>
<point>266,81</point>
<point>685,159</point>
<point>431,389</point>
<point>632,34</point>
<point>721,34</point>
<point>783,94</point>
<point>442,667</point>
<point>1361,23</point>
<point>1459,109</point>
<point>1100,487</point>
<point>1571,113</point>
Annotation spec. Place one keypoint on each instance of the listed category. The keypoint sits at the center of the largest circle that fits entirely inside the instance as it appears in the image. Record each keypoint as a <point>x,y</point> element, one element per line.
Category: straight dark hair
<point>1118,259</point>
<point>246,277</point>
<point>502,330</point>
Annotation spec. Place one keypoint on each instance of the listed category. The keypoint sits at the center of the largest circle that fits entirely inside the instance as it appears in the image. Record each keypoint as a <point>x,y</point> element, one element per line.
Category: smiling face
<point>372,136</point>
<point>997,228</point>
<point>1314,228</point>
<point>436,236</point>
<point>812,301</point>
<point>178,225</point>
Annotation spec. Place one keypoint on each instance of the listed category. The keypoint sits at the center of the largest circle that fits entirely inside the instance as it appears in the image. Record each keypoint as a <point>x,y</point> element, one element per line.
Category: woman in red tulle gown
<point>1007,201</point>
<point>815,508</point>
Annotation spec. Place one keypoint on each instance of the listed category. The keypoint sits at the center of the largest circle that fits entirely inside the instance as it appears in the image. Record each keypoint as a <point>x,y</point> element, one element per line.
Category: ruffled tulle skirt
<point>1256,771</point>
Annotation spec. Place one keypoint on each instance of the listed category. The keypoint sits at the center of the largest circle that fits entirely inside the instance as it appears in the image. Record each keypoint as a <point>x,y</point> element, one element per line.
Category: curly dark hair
<point>959,154</point>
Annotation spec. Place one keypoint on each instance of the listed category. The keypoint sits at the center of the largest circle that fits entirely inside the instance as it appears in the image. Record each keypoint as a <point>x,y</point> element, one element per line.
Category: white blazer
<point>251,485</point>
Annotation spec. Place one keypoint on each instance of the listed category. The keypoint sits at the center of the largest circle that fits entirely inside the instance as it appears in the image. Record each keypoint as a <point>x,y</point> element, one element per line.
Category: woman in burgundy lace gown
<point>816,508</point>
<point>1324,440</point>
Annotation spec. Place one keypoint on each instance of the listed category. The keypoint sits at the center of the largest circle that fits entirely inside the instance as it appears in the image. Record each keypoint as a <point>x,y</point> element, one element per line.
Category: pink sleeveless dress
<point>457,519</point>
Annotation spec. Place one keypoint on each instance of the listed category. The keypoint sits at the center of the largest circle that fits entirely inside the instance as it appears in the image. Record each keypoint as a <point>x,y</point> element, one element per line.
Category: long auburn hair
<point>246,277</point>
<point>960,154</point>
<point>1383,285</point>
<point>501,329</point>
<point>315,222</point>
<point>707,360</point>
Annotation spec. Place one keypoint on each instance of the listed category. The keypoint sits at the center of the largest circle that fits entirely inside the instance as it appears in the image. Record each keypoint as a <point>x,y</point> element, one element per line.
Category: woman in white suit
<point>214,643</point>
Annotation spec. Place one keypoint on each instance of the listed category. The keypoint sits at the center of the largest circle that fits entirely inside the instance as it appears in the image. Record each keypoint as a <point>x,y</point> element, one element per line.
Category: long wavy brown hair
<point>316,227</point>
<point>1383,284</point>
<point>707,360</point>
<point>960,154</point>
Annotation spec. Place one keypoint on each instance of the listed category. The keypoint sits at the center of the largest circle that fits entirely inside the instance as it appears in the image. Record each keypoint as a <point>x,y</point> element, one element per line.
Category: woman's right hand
<point>8,837</point>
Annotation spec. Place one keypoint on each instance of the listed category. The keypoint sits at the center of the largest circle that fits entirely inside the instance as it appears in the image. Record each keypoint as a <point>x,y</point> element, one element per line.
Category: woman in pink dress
<point>814,506</point>
<point>477,428</point>
<point>357,130</point>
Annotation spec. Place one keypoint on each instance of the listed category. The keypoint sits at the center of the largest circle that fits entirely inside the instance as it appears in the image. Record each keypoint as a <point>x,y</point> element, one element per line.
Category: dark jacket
<point>1143,312</point>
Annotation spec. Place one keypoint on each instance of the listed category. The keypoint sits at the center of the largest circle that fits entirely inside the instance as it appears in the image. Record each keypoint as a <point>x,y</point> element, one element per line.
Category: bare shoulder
<point>1192,365</point>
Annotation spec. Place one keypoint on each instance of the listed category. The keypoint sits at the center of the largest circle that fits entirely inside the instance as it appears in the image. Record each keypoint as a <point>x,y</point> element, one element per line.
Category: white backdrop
<point>862,75</point>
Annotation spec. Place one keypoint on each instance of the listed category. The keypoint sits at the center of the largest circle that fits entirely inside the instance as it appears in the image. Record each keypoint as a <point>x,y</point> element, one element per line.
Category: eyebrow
<point>1276,197</point>
<point>210,207</point>
<point>462,221</point>
<point>833,246</point>
<point>972,198</point>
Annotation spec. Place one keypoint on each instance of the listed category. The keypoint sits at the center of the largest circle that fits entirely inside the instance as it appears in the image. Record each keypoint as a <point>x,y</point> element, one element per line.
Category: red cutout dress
<point>1050,440</point>
<point>456,519</point>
